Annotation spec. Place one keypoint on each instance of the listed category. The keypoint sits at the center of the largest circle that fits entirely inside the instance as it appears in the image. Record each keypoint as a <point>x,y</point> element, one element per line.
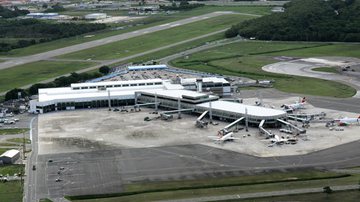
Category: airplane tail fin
<point>303,100</point>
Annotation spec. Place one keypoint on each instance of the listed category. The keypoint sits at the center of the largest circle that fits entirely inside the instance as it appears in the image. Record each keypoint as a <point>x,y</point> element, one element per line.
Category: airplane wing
<point>233,138</point>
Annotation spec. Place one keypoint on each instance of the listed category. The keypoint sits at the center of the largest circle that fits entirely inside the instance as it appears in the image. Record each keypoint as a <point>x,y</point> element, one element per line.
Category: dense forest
<point>306,20</point>
<point>184,5</point>
<point>7,13</point>
<point>31,31</point>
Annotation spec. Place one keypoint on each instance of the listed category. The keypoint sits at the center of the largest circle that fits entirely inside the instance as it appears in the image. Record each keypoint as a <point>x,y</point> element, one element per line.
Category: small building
<point>42,15</point>
<point>146,67</point>
<point>95,16</point>
<point>10,156</point>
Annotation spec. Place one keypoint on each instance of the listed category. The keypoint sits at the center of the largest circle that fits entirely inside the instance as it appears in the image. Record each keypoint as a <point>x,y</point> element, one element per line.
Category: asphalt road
<point>31,175</point>
<point>301,68</point>
<point>100,42</point>
<point>106,171</point>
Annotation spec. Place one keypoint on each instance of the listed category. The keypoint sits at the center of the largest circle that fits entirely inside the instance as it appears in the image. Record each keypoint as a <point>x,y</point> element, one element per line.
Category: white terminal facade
<point>187,94</point>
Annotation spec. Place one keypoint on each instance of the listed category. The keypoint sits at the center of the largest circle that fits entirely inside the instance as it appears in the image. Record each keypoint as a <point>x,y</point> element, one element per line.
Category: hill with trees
<point>7,13</point>
<point>306,20</point>
<point>32,31</point>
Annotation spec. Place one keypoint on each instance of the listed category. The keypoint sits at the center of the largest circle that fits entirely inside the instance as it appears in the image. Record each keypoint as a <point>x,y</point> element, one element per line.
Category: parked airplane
<point>347,121</point>
<point>295,106</point>
<point>223,138</point>
<point>277,140</point>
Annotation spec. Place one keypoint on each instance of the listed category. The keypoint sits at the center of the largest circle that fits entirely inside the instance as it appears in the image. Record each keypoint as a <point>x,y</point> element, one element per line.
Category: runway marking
<point>135,32</point>
<point>163,25</point>
<point>174,25</point>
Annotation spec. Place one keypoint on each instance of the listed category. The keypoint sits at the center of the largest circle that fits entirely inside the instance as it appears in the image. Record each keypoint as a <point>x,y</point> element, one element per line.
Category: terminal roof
<point>253,111</point>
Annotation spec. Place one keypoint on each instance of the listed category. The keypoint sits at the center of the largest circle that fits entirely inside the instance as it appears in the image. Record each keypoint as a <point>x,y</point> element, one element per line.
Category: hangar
<point>10,156</point>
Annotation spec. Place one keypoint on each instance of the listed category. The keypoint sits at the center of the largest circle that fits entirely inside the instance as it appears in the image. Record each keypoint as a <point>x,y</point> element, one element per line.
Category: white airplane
<point>295,106</point>
<point>347,121</point>
<point>223,138</point>
<point>277,140</point>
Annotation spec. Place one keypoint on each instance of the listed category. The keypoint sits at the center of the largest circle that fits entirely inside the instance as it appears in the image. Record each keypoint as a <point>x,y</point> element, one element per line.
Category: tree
<point>45,6</point>
<point>306,20</point>
<point>33,90</point>
<point>232,32</point>
<point>104,70</point>
<point>14,94</point>
<point>327,190</point>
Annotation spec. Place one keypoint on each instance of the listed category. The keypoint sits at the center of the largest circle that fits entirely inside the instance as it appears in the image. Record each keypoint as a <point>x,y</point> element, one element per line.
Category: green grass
<point>2,150</point>
<point>45,200</point>
<point>19,140</point>
<point>326,69</point>
<point>11,191</point>
<point>247,58</point>
<point>157,39</point>
<point>11,169</point>
<point>148,22</point>
<point>228,181</point>
<point>343,196</point>
<point>224,186</point>
<point>336,49</point>
<point>173,50</point>
<point>12,131</point>
<point>22,75</point>
<point>2,144</point>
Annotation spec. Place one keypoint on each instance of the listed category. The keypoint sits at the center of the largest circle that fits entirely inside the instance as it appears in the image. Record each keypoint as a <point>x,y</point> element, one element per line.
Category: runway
<point>112,39</point>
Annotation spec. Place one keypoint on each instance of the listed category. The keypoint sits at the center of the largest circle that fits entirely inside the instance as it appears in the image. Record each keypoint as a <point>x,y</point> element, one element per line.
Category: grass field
<point>8,144</point>
<point>173,50</point>
<point>19,140</point>
<point>147,22</point>
<point>2,150</point>
<point>148,57</point>
<point>11,169</point>
<point>343,196</point>
<point>223,186</point>
<point>12,131</point>
<point>326,69</point>
<point>247,58</point>
<point>37,71</point>
<point>11,191</point>
<point>157,39</point>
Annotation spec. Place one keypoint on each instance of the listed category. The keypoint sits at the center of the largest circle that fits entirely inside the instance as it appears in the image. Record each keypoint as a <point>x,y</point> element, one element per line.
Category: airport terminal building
<point>161,93</point>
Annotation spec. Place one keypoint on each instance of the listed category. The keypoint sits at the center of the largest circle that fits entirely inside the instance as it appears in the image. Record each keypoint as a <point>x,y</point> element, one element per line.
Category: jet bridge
<point>167,115</point>
<point>308,117</point>
<point>299,119</point>
<point>226,129</point>
<point>199,121</point>
<point>264,131</point>
<point>300,130</point>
